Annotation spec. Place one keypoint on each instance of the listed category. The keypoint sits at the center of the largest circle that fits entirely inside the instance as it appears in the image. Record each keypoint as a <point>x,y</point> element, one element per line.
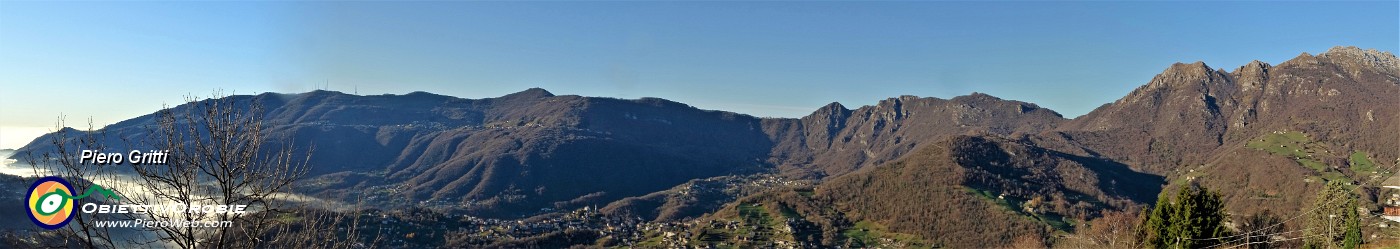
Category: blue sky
<point>116,60</point>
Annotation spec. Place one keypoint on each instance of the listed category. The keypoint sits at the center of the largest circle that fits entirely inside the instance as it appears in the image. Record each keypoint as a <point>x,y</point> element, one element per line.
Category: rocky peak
<point>1371,56</point>
<point>1255,66</point>
<point>1252,76</point>
<point>832,111</point>
<point>1194,80</point>
<point>1353,56</point>
<point>1181,73</point>
<point>893,108</point>
<point>1304,59</point>
<point>834,107</point>
<point>830,119</point>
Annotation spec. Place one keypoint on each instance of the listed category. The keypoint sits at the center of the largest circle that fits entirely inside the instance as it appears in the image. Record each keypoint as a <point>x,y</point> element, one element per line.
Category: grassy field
<point>1361,163</point>
<point>1295,145</point>
<point>873,235</point>
<point>1013,204</point>
<point>756,227</point>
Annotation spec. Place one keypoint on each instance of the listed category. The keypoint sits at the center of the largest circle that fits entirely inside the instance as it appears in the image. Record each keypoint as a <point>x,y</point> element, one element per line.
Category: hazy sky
<point>117,60</point>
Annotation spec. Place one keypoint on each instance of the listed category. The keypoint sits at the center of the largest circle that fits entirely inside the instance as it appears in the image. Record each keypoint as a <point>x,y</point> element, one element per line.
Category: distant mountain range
<point>908,164</point>
<point>1264,136</point>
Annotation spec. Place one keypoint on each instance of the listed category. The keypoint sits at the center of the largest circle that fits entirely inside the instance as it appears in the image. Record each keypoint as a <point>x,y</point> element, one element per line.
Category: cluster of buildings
<point>621,231</point>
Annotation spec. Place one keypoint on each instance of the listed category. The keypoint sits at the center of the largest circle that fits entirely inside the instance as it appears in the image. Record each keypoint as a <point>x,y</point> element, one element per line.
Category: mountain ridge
<point>526,152</point>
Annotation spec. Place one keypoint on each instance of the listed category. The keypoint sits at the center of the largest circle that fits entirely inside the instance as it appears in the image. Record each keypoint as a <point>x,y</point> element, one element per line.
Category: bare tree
<point>218,156</point>
<point>1028,241</point>
<point>63,161</point>
<point>1116,229</point>
<point>220,152</point>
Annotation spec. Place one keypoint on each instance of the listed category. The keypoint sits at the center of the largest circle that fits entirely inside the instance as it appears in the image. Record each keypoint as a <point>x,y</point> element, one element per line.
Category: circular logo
<point>48,202</point>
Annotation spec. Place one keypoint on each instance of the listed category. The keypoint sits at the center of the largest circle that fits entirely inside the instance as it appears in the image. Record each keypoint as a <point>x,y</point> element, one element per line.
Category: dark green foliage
<point>1192,219</point>
<point>1334,221</point>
